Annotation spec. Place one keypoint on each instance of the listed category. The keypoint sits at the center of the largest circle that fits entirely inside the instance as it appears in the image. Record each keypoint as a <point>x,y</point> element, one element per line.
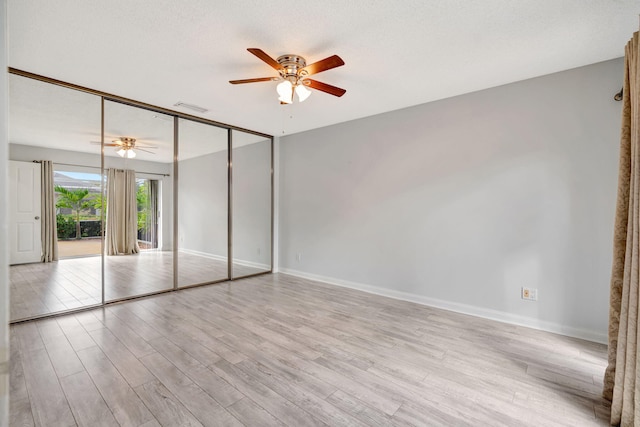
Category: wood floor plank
<point>87,405</point>
<point>48,402</point>
<point>312,404</point>
<point>134,342</point>
<point>75,333</point>
<point>282,368</point>
<point>126,406</point>
<point>360,410</point>
<point>62,355</point>
<point>126,362</point>
<point>200,404</point>
<point>215,386</point>
<point>271,401</point>
<point>142,328</point>
<point>251,414</point>
<point>20,413</point>
<point>165,406</point>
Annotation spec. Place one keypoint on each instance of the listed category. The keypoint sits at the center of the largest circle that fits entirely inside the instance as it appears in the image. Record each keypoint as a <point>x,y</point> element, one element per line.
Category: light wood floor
<point>45,288</point>
<point>277,350</point>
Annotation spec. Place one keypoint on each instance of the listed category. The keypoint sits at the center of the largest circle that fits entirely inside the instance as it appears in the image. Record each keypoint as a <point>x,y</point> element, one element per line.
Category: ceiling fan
<point>294,73</point>
<point>125,145</point>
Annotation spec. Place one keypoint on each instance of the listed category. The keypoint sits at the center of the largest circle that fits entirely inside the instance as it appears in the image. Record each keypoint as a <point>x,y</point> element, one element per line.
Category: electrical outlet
<point>298,257</point>
<point>530,294</point>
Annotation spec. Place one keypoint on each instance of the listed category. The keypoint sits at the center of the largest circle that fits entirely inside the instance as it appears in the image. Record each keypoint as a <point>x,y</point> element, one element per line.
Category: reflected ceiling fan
<point>125,145</point>
<point>294,75</point>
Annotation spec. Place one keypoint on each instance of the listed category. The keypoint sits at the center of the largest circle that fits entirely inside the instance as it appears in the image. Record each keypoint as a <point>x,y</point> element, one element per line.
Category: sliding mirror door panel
<point>202,203</point>
<point>251,208</point>
<point>55,203</point>
<point>138,164</point>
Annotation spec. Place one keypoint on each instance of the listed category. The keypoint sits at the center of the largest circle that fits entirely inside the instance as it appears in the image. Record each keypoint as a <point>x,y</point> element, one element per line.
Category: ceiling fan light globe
<point>284,89</point>
<point>302,92</point>
<point>127,153</point>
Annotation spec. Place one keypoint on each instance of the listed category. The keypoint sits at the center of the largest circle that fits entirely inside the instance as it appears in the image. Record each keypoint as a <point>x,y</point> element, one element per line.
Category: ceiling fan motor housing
<point>128,143</point>
<point>291,65</point>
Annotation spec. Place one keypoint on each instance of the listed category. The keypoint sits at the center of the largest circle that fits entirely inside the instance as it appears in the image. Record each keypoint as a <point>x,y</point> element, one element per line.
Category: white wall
<point>4,194</point>
<point>461,202</point>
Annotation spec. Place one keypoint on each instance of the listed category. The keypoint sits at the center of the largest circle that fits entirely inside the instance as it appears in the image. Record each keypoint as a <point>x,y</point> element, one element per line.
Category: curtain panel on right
<point>621,380</point>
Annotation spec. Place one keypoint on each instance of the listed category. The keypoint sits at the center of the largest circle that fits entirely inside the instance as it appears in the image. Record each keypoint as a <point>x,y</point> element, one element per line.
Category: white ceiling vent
<point>191,107</point>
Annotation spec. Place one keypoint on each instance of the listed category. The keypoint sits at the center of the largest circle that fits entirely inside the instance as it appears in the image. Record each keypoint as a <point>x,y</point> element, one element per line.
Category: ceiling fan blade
<point>143,145</point>
<point>324,65</point>
<point>142,149</point>
<point>266,58</point>
<point>261,79</point>
<point>332,90</point>
<point>106,144</point>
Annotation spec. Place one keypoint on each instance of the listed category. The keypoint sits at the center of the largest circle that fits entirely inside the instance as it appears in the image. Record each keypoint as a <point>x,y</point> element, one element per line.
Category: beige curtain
<point>621,380</point>
<point>122,213</point>
<point>48,225</point>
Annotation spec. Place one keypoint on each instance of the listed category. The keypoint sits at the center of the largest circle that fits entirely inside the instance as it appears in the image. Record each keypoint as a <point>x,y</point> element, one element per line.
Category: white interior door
<point>24,212</point>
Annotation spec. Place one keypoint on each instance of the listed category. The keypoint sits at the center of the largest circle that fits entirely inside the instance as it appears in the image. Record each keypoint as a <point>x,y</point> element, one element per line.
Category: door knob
<point>37,217</point>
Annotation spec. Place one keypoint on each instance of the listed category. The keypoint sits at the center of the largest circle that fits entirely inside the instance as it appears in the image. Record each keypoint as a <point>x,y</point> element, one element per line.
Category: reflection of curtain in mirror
<point>122,213</point>
<point>48,225</point>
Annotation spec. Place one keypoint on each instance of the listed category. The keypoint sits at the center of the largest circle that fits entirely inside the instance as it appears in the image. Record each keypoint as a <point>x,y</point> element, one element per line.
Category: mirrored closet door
<point>138,159</point>
<point>55,203</point>
<point>252,203</point>
<point>203,222</point>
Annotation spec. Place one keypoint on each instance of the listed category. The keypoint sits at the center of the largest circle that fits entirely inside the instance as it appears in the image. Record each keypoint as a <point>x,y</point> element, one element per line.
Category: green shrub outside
<point>66,227</point>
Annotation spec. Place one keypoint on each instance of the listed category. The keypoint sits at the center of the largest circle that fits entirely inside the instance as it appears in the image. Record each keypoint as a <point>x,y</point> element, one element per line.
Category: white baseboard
<point>241,262</point>
<point>203,254</point>
<point>472,310</point>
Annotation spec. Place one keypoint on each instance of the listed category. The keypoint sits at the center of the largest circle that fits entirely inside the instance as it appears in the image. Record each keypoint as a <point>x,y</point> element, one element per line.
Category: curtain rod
<point>97,167</point>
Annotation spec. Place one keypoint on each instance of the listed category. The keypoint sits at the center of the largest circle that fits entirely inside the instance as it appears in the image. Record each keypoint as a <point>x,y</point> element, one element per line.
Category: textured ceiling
<point>397,53</point>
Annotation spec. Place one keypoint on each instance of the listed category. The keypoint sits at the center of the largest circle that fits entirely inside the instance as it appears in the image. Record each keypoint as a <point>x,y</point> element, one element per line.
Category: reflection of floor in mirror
<point>79,247</point>
<point>44,288</point>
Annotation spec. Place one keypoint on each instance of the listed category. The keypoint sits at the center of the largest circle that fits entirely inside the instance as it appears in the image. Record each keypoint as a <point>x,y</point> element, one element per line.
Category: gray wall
<point>202,215</point>
<point>4,250</point>
<point>251,183</point>
<point>461,202</point>
<point>202,204</point>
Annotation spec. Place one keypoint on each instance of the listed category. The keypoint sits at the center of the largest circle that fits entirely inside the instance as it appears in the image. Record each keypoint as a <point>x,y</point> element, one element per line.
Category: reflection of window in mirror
<point>78,201</point>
